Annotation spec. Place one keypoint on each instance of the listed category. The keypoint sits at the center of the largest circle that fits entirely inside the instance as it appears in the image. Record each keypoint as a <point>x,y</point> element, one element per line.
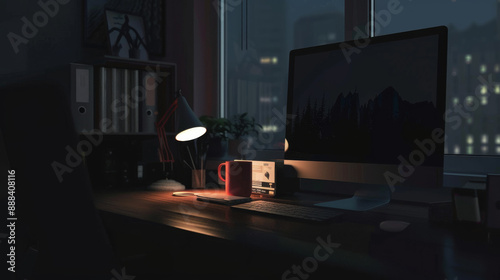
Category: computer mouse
<point>393,226</point>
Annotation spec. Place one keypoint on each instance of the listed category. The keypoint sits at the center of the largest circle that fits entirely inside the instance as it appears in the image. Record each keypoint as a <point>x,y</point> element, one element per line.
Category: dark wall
<point>41,49</point>
<point>193,34</point>
<point>54,42</point>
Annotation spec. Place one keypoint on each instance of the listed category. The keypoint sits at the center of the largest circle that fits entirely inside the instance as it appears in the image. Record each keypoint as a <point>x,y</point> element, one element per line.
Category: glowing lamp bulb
<point>190,134</point>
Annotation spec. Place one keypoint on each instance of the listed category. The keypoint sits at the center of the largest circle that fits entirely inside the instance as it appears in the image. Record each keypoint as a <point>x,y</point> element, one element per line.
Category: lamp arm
<point>164,151</point>
<point>168,114</point>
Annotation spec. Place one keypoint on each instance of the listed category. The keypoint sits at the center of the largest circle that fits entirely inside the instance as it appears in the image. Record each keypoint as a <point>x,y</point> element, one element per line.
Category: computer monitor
<point>369,111</point>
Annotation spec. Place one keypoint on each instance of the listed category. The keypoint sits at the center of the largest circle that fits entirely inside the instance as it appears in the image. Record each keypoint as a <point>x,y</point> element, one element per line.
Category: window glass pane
<point>473,82</point>
<point>258,37</point>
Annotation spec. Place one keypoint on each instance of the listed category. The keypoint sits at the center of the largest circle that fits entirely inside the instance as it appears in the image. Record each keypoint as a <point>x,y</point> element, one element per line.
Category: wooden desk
<point>206,238</point>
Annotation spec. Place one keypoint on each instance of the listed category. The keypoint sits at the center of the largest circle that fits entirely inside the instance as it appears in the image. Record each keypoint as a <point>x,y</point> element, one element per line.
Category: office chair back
<point>55,210</point>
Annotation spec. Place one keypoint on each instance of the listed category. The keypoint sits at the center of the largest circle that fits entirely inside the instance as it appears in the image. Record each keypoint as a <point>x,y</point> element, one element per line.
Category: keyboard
<point>289,210</point>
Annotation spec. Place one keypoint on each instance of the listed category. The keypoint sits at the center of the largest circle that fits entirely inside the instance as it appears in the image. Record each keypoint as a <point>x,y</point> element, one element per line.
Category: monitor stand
<point>365,198</point>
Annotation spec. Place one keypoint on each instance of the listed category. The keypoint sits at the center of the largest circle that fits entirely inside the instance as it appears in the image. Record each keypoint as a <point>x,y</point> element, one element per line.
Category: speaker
<point>287,180</point>
<point>493,201</point>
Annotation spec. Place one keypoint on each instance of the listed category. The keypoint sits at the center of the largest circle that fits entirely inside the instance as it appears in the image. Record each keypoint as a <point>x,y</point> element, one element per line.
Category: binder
<point>148,103</point>
<point>113,113</point>
<point>82,97</point>
<point>124,104</point>
<point>135,88</point>
<point>118,104</point>
<point>102,122</point>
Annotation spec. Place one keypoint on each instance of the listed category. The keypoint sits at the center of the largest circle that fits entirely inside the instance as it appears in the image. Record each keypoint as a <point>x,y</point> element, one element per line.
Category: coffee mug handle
<point>218,171</point>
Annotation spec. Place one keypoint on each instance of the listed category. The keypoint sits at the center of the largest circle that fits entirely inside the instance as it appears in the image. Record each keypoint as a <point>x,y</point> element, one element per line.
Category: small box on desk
<point>273,178</point>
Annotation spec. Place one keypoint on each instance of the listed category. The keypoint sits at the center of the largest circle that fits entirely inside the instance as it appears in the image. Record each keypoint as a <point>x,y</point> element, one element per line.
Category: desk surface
<point>422,250</point>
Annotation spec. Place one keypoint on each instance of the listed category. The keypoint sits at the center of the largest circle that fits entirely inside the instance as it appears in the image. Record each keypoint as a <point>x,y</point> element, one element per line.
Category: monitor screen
<point>369,111</point>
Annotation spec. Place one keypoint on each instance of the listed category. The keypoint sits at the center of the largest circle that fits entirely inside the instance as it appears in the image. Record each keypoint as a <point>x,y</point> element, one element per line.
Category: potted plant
<point>240,127</point>
<point>217,135</point>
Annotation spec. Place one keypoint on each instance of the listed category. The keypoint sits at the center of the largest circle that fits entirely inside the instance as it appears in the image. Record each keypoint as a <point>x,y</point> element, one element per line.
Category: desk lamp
<point>187,127</point>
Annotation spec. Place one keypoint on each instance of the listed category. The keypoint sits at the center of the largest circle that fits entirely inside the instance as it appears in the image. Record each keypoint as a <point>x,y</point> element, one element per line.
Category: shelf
<point>108,59</point>
<point>117,134</point>
<point>115,87</point>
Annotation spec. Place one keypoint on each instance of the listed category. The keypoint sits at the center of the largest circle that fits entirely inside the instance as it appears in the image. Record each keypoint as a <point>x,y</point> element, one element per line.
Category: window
<point>258,35</point>
<point>473,78</point>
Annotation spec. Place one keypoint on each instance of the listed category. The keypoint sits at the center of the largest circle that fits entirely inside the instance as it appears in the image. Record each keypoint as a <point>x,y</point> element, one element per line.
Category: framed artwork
<point>152,12</point>
<point>126,35</point>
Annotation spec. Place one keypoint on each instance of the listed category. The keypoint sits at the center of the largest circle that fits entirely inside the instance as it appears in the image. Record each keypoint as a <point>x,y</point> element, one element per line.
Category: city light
<point>483,68</point>
<point>470,150</point>
<point>470,139</point>
<point>484,139</point>
<point>484,100</point>
<point>484,90</point>
<point>269,128</point>
<point>269,60</point>
<point>468,58</point>
<point>469,100</point>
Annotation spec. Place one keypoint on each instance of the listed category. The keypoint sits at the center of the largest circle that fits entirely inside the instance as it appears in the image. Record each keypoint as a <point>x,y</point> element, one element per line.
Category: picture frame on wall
<point>126,35</point>
<point>152,12</point>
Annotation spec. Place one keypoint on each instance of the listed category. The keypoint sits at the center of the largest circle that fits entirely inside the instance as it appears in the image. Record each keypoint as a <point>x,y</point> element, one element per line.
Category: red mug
<point>238,177</point>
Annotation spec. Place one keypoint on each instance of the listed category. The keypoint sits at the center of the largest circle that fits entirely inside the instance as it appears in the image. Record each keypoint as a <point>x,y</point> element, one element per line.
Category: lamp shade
<point>187,125</point>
